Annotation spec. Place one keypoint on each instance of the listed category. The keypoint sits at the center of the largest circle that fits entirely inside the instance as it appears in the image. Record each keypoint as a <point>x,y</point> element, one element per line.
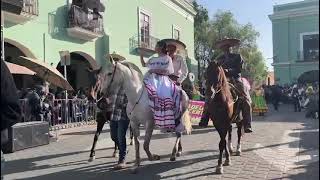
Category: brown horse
<point>223,111</point>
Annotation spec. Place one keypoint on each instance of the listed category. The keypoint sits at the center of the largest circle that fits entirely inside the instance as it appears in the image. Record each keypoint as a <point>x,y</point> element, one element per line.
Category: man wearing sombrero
<point>232,64</point>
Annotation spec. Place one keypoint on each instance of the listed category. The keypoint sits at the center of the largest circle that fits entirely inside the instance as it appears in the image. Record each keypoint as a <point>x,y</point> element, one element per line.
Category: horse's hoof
<point>219,170</point>
<point>92,158</point>
<point>115,154</point>
<point>179,154</point>
<point>238,153</point>
<point>227,163</point>
<point>173,159</point>
<point>231,151</point>
<point>155,157</point>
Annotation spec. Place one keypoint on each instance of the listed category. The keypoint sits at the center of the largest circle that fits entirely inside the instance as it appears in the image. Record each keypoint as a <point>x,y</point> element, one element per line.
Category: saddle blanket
<point>164,100</point>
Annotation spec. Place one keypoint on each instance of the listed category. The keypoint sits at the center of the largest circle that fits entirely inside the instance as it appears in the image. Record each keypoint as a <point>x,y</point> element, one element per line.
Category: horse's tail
<point>186,121</point>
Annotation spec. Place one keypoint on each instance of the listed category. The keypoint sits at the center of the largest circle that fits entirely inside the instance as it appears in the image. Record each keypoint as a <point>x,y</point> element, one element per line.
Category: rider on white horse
<point>164,94</point>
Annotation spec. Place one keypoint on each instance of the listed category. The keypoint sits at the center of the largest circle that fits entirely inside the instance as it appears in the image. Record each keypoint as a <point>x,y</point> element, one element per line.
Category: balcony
<point>84,25</point>
<point>20,11</point>
<point>308,56</point>
<point>146,44</point>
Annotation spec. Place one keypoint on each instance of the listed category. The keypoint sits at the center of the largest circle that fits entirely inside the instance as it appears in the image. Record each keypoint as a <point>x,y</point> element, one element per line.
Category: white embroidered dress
<point>164,95</point>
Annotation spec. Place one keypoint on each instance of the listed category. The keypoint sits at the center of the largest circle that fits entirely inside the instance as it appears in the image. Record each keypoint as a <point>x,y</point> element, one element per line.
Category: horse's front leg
<point>147,139</point>
<point>179,148</point>
<point>222,147</point>
<point>100,125</point>
<point>115,150</point>
<point>136,134</point>
<point>239,132</point>
<point>230,146</point>
<point>176,147</point>
<point>131,135</point>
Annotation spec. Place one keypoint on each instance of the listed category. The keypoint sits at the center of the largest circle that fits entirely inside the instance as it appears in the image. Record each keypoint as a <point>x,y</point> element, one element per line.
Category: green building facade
<point>295,28</point>
<point>42,28</point>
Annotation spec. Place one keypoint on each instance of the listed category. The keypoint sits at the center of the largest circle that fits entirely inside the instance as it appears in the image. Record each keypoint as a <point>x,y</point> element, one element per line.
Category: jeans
<point>118,130</point>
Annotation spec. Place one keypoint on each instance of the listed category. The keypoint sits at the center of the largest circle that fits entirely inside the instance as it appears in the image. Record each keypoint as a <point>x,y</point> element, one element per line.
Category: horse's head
<point>216,79</point>
<point>111,79</point>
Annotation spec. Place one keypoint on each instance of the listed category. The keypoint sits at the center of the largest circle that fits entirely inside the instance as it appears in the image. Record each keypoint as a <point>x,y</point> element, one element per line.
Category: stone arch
<point>77,73</point>
<point>26,51</point>
<point>12,51</point>
<point>89,58</point>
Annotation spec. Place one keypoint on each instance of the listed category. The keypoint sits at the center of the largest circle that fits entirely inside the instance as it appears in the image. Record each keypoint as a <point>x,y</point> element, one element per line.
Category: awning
<point>17,69</point>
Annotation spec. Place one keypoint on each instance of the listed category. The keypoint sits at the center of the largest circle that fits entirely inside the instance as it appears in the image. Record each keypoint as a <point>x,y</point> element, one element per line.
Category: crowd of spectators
<point>300,95</point>
<point>40,105</point>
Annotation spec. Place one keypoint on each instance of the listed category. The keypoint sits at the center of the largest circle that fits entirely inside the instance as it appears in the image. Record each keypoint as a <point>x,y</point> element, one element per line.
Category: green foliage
<point>223,24</point>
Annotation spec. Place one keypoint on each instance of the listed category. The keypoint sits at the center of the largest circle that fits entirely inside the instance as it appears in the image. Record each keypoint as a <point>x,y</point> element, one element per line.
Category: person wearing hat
<point>179,65</point>
<point>232,64</point>
<point>119,121</point>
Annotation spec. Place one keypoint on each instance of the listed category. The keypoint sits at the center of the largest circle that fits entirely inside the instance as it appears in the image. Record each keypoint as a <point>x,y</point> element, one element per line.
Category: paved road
<point>284,145</point>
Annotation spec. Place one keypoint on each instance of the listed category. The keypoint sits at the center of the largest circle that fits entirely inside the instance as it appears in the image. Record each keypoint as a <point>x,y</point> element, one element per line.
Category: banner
<point>195,110</point>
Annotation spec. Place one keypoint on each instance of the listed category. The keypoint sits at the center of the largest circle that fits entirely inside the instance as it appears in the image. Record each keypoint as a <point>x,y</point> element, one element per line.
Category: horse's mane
<point>134,67</point>
<point>223,82</point>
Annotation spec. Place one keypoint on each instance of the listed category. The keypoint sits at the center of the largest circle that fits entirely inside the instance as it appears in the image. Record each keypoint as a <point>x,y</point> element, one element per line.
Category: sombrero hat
<point>229,42</point>
<point>115,56</point>
<point>177,43</point>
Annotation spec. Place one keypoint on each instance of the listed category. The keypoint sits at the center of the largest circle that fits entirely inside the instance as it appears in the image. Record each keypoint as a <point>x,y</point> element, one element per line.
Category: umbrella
<point>17,69</point>
<point>45,71</point>
<point>92,4</point>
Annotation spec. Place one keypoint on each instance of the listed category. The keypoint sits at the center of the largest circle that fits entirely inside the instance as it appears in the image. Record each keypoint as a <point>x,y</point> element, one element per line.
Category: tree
<point>223,24</point>
<point>201,35</point>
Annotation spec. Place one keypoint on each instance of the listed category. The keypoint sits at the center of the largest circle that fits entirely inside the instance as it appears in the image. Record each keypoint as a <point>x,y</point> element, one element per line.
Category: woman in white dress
<point>164,95</point>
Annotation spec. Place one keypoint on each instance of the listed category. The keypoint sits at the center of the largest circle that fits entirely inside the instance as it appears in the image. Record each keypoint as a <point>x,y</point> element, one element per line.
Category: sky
<point>250,11</point>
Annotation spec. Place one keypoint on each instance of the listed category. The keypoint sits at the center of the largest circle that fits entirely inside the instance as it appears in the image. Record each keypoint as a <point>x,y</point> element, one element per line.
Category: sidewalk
<point>284,145</point>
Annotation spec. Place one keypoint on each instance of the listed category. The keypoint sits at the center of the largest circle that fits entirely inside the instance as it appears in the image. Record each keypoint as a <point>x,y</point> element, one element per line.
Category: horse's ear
<point>112,61</point>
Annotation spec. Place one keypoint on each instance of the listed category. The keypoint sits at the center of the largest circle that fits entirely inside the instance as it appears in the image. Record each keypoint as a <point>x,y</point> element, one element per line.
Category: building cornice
<point>295,13</point>
<point>296,63</point>
<point>182,7</point>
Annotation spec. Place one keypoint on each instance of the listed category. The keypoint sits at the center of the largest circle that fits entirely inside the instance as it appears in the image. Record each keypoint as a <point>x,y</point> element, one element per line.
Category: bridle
<point>112,79</point>
<point>217,89</point>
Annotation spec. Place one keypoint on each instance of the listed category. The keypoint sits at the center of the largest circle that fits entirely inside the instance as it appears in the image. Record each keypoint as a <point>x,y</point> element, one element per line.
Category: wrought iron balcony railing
<point>31,7</point>
<point>308,56</point>
<point>89,21</point>
<point>19,11</point>
<point>143,43</point>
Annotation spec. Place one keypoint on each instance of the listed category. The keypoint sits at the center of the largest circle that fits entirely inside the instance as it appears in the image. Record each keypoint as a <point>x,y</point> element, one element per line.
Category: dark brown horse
<point>223,111</point>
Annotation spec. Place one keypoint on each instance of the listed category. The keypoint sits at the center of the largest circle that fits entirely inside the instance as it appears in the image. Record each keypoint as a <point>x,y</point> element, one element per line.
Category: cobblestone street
<point>284,145</point>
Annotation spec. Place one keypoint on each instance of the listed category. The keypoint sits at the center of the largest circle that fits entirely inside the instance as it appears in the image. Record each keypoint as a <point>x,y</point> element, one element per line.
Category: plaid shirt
<point>119,105</point>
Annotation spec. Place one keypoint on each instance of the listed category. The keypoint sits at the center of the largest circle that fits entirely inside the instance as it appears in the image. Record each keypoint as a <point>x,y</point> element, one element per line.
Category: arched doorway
<point>12,51</point>
<point>77,73</point>
<point>309,77</point>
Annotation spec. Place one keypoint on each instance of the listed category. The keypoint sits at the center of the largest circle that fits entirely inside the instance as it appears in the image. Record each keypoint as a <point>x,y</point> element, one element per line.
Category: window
<point>175,32</point>
<point>144,28</point>
<point>309,46</point>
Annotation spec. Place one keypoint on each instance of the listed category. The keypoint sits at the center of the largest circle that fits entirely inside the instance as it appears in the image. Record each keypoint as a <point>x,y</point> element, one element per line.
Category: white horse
<point>129,76</point>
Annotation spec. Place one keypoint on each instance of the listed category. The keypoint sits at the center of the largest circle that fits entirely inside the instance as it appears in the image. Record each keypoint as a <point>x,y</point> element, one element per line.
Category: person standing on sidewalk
<point>10,108</point>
